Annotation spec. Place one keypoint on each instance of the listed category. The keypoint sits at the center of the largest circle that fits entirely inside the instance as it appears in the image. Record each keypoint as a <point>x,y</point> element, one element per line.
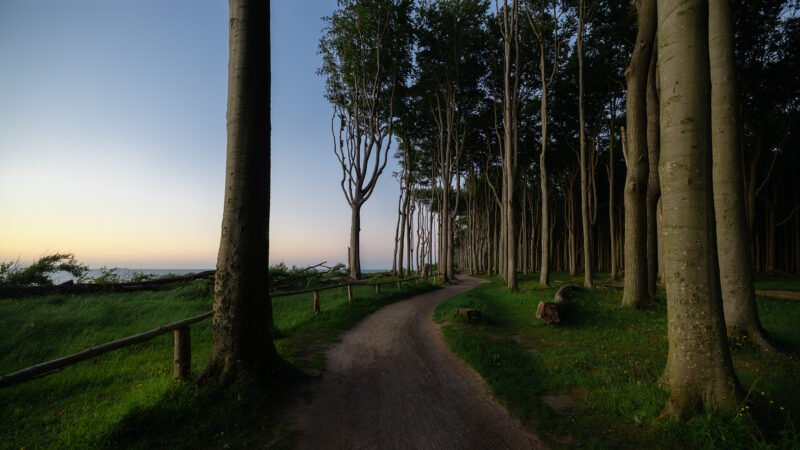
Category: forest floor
<point>392,383</point>
<point>593,380</point>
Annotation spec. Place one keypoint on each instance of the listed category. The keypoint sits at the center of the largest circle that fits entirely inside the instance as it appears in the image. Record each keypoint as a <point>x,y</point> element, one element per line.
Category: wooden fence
<point>182,348</point>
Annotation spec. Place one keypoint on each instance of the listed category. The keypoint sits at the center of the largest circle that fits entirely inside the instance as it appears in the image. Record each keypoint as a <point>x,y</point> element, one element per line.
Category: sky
<point>112,136</point>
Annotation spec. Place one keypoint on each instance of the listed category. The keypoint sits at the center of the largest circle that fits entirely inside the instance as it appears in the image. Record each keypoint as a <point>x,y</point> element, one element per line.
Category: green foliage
<point>609,361</point>
<point>108,276</point>
<point>283,278</point>
<point>138,277</point>
<point>40,271</point>
<point>127,398</point>
<point>365,51</point>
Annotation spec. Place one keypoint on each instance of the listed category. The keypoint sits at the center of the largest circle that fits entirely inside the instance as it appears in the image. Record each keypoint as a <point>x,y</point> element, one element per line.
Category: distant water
<point>124,274</point>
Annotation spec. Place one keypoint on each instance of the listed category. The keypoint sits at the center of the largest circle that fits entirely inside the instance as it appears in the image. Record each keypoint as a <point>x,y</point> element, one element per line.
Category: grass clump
<point>607,361</point>
<point>127,398</point>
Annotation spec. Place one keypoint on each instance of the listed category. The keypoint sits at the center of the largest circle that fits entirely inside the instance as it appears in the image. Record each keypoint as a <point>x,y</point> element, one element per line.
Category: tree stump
<point>553,312</point>
<point>470,315</point>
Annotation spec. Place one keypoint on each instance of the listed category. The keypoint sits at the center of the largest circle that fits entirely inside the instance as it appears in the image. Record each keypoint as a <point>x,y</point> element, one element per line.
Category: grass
<point>779,282</point>
<point>127,398</point>
<point>608,361</point>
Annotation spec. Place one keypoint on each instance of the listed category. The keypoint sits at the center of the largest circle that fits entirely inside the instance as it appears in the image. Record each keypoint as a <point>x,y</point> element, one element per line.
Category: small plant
<point>40,271</point>
<point>107,276</point>
<point>138,277</point>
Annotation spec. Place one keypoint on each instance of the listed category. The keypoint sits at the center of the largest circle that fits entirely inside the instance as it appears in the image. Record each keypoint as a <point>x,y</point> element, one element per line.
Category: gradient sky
<point>112,136</point>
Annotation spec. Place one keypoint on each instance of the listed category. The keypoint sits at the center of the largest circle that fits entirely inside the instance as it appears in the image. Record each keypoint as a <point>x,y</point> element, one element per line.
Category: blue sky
<point>112,136</point>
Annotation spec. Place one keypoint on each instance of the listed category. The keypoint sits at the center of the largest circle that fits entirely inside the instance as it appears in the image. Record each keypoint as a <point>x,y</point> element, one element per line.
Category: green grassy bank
<point>603,364</point>
<point>128,398</point>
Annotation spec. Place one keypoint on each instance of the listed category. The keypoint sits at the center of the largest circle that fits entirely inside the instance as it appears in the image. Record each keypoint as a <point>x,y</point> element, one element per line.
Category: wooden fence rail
<point>182,359</point>
<point>55,365</point>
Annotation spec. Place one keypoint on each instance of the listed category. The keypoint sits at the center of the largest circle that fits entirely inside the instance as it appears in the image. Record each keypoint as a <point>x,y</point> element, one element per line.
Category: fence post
<point>349,292</point>
<point>316,302</point>
<point>377,288</point>
<point>399,284</point>
<point>182,354</point>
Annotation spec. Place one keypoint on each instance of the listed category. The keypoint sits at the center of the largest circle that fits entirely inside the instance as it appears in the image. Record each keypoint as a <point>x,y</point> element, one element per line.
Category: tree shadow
<point>242,414</point>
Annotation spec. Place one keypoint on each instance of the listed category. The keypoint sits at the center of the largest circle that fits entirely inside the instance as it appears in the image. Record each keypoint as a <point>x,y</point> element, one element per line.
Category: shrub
<point>107,276</point>
<point>40,271</point>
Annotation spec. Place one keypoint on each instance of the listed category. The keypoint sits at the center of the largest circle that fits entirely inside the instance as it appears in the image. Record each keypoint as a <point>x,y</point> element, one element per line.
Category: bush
<point>107,276</point>
<point>40,271</point>
<point>283,278</point>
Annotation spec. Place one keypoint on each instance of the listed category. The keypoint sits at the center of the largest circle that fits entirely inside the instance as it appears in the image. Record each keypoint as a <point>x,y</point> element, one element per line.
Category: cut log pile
<point>554,312</point>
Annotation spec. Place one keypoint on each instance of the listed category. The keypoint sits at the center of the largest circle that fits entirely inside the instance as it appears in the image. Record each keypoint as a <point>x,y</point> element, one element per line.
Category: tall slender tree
<point>242,321</point>
<point>366,60</point>
<point>588,280</point>
<point>699,370</point>
<point>653,181</point>
<point>449,46</point>
<point>509,29</point>
<point>545,26</point>
<point>735,262</point>
<point>635,293</point>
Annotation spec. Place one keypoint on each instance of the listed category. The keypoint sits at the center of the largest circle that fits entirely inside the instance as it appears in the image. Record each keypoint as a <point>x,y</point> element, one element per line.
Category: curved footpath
<point>392,383</point>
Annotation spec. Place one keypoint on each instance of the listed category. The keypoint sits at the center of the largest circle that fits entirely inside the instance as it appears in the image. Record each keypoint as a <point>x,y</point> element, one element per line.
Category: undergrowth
<point>603,365</point>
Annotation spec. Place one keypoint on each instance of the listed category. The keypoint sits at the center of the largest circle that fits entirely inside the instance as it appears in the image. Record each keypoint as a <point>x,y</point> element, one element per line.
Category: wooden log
<point>182,353</point>
<point>55,365</point>
<point>349,292</point>
<point>553,312</point>
<point>316,302</point>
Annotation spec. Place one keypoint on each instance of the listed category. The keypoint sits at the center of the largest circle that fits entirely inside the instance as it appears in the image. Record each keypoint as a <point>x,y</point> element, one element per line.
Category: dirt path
<point>393,384</point>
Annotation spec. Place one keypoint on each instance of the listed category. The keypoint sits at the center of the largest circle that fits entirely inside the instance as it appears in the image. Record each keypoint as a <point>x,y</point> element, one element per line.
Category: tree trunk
<point>355,233</point>
<point>653,182</point>
<point>733,238</point>
<point>409,214</point>
<point>544,269</point>
<point>770,231</point>
<point>635,293</point>
<point>611,212</point>
<point>509,32</point>
<point>397,237</point>
<point>699,370</point>
<point>797,244</point>
<point>242,321</point>
<point>588,280</point>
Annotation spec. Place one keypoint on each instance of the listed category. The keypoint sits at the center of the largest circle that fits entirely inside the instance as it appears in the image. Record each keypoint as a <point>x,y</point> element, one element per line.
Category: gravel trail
<point>392,383</point>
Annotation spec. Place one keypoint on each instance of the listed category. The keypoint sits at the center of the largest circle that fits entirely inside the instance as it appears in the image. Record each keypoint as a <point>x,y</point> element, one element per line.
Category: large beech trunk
<point>699,370</point>
<point>635,293</point>
<point>733,243</point>
<point>242,321</point>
